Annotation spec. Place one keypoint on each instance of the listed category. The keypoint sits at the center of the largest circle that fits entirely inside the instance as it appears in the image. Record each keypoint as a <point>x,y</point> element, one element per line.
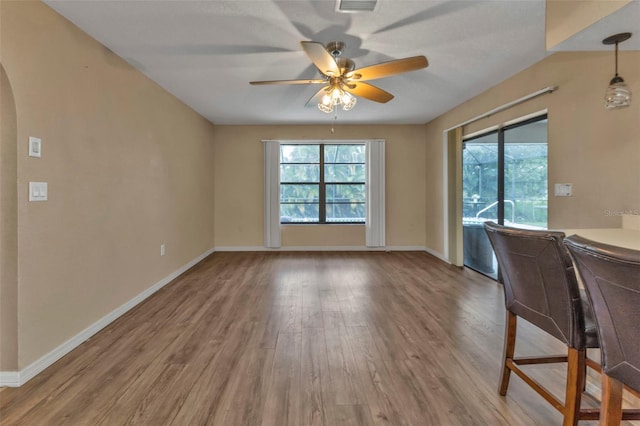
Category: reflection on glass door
<point>504,176</point>
<point>480,200</point>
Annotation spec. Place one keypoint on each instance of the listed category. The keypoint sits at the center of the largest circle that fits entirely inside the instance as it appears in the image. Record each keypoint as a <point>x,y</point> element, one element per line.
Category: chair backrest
<point>540,284</point>
<point>611,276</point>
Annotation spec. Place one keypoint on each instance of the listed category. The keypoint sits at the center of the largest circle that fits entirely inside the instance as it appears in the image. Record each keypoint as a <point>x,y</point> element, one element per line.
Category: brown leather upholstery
<point>540,286</point>
<point>611,276</point>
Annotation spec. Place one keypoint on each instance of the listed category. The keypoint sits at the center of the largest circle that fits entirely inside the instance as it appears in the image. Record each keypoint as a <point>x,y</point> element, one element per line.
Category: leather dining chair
<point>611,276</point>
<point>540,286</point>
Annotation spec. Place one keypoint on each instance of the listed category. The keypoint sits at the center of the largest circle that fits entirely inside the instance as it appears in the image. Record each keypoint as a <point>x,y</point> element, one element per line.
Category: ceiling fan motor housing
<point>345,64</point>
<point>335,48</point>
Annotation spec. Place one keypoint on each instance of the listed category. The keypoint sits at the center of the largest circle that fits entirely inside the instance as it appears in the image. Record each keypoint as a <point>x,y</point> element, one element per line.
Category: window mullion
<point>322,208</point>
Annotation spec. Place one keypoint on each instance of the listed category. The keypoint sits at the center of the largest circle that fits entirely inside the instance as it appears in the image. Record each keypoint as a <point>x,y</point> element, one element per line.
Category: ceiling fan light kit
<point>342,81</point>
<point>618,94</point>
<point>336,96</point>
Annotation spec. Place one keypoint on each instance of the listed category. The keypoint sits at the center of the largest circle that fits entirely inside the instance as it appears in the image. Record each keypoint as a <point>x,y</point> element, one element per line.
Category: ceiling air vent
<point>349,6</point>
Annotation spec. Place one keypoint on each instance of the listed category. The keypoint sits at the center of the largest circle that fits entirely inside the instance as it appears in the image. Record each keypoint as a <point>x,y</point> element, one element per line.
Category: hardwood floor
<point>300,339</point>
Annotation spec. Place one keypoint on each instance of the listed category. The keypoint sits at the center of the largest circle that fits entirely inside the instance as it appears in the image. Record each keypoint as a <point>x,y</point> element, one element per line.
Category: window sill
<point>296,225</point>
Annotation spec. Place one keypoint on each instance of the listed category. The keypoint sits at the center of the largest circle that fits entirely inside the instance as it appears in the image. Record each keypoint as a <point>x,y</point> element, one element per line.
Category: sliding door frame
<point>452,140</point>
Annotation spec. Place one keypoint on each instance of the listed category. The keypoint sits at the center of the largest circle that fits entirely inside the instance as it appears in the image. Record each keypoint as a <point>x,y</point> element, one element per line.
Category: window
<point>322,183</point>
<point>374,223</point>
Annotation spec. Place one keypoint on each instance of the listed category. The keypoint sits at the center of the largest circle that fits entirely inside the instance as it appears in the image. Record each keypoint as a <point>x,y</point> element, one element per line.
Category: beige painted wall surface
<point>8,228</point>
<point>596,150</point>
<point>129,167</point>
<point>239,180</point>
<point>565,18</point>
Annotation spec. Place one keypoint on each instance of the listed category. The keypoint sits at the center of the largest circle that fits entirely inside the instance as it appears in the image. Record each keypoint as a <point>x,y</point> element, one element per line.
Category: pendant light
<point>618,94</point>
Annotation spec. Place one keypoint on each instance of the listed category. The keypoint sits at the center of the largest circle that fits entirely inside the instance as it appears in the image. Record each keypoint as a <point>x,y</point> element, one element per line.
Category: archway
<point>8,226</point>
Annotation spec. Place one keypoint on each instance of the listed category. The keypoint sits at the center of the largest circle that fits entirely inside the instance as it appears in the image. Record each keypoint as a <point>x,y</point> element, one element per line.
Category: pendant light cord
<point>616,59</point>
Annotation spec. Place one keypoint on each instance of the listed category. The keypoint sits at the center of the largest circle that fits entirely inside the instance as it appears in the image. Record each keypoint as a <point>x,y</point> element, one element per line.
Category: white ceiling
<point>206,52</point>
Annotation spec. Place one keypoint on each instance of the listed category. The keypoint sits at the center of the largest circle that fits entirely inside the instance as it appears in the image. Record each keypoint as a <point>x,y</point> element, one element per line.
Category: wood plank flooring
<point>293,338</point>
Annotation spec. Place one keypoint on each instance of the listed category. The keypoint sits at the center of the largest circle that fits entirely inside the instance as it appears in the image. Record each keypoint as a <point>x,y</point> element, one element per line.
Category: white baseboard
<point>334,248</point>
<point>10,379</point>
<point>18,378</point>
<point>320,248</point>
<point>437,254</point>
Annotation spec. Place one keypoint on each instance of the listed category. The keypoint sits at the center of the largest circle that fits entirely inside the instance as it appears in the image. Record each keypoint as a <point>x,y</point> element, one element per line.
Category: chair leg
<point>575,383</point>
<point>510,328</point>
<point>586,370</point>
<point>611,405</point>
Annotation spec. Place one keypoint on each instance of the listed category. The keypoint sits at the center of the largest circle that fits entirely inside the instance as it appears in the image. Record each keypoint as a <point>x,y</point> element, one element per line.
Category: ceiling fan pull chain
<point>335,117</point>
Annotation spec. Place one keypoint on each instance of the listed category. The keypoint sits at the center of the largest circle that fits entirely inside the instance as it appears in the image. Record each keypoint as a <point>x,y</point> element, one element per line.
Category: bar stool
<point>540,286</point>
<point>611,276</point>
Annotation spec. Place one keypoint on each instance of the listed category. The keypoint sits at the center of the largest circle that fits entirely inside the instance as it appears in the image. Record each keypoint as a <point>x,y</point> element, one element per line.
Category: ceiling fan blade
<point>385,69</point>
<point>315,99</point>
<point>321,58</point>
<point>368,91</point>
<point>318,81</point>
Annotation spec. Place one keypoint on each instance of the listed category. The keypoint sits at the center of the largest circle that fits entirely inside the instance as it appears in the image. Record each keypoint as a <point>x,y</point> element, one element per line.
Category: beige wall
<point>565,18</point>
<point>596,150</point>
<point>8,228</point>
<point>129,167</point>
<point>239,199</point>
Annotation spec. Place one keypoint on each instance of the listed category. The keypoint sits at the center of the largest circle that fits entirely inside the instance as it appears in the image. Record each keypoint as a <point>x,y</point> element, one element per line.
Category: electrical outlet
<point>161,249</point>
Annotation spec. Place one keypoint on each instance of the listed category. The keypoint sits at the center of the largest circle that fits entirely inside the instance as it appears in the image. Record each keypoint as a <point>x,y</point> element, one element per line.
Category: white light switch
<point>562,190</point>
<point>38,191</point>
<point>35,147</point>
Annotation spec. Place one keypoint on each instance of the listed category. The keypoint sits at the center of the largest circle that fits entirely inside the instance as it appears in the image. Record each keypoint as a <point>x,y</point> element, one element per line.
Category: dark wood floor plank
<point>302,338</point>
<point>248,382</point>
<point>315,378</point>
<point>345,383</point>
<point>351,415</point>
<point>385,405</point>
<point>283,400</point>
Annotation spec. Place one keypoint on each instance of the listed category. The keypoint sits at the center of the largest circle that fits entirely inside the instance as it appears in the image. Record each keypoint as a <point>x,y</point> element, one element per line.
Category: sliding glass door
<point>504,175</point>
<point>480,200</point>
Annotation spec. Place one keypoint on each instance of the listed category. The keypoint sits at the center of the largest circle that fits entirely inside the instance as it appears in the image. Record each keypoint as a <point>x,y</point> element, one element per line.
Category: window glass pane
<point>354,212</point>
<point>525,175</point>
<point>480,178</point>
<point>344,173</point>
<point>345,193</point>
<point>299,193</point>
<point>480,201</point>
<point>300,153</point>
<point>341,172</point>
<point>299,173</point>
<point>344,154</point>
<point>299,213</point>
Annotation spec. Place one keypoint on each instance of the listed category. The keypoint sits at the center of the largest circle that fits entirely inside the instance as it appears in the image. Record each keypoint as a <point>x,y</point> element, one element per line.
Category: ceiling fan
<point>342,81</point>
